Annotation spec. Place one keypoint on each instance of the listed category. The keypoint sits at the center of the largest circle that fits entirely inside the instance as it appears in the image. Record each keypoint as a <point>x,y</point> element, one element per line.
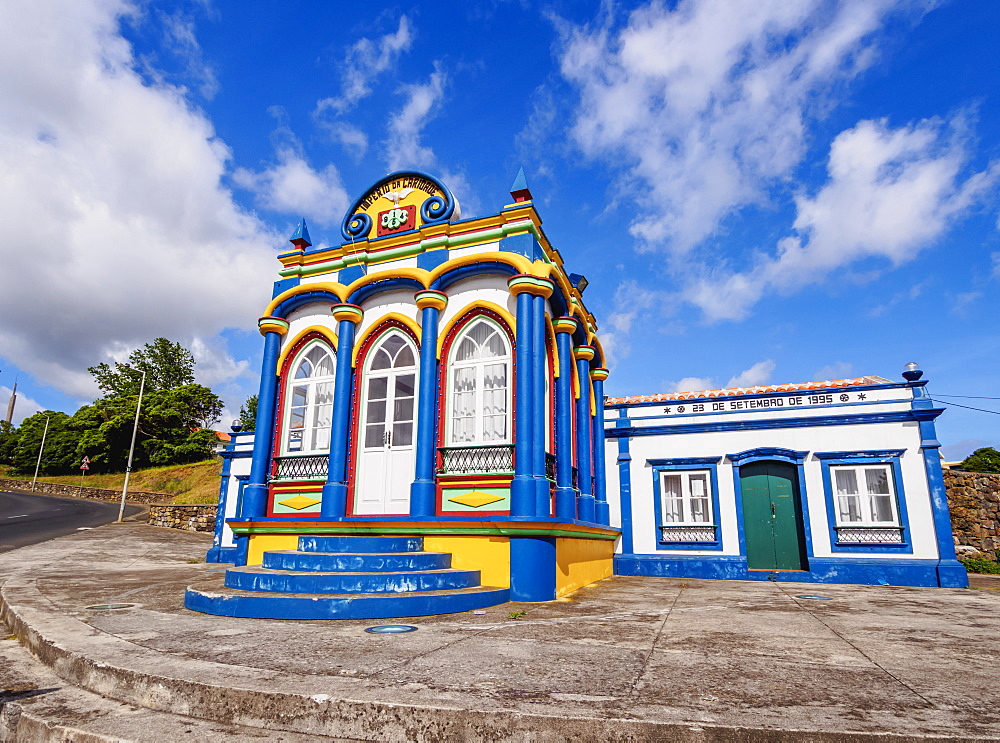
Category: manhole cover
<point>111,606</point>
<point>391,629</point>
<point>815,598</point>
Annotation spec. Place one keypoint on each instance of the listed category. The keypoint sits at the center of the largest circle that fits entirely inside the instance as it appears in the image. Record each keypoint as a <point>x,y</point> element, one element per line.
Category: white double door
<point>386,450</point>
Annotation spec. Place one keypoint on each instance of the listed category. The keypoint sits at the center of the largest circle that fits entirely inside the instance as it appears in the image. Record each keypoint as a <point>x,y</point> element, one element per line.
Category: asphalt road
<point>28,519</point>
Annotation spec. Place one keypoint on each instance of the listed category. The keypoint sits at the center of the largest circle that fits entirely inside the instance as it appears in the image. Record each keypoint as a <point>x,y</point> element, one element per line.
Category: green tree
<point>986,459</point>
<point>62,443</point>
<point>8,442</point>
<point>167,365</point>
<point>248,414</point>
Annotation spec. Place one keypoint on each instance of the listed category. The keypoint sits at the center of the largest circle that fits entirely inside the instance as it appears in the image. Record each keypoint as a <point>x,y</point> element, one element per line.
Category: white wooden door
<point>386,459</point>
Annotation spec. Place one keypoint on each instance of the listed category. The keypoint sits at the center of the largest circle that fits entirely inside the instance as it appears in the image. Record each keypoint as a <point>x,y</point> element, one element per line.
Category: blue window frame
<point>687,517</point>
<point>865,501</point>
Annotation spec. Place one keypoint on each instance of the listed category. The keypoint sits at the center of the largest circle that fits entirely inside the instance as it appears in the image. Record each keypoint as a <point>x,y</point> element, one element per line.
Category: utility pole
<point>131,449</point>
<point>40,450</point>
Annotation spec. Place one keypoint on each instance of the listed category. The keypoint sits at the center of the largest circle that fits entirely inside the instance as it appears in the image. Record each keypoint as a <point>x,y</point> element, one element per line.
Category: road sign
<point>85,466</point>
<point>86,460</point>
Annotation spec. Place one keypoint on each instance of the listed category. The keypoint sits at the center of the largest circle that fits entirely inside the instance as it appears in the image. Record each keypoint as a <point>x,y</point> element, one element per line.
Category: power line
<point>970,397</point>
<point>981,410</point>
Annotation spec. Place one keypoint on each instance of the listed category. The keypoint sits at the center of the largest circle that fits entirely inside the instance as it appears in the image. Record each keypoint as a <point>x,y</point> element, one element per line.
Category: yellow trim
<point>584,352</point>
<point>552,346</point>
<point>287,347</point>
<point>360,340</point>
<point>474,304</point>
<point>580,562</point>
<point>261,543</point>
<point>489,555</point>
<point>601,358</point>
<point>333,287</point>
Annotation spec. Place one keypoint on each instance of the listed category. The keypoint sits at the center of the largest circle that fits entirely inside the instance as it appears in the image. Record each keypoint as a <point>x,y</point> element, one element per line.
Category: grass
<point>980,565</point>
<point>187,483</point>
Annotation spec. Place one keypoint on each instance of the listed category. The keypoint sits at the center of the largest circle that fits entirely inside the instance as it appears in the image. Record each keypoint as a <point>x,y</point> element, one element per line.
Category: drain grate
<point>815,598</point>
<point>391,629</point>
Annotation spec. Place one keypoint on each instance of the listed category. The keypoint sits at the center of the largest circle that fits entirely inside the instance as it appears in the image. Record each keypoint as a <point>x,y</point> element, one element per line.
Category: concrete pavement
<point>625,659</point>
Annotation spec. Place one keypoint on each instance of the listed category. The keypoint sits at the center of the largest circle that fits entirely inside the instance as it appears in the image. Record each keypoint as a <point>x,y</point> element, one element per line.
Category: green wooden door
<point>772,518</point>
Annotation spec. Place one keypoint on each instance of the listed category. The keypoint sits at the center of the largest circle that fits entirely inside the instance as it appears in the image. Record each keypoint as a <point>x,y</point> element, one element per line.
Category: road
<point>28,519</point>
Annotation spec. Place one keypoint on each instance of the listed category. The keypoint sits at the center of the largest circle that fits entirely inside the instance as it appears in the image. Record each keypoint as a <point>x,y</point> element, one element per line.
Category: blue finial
<point>301,235</point>
<point>520,190</point>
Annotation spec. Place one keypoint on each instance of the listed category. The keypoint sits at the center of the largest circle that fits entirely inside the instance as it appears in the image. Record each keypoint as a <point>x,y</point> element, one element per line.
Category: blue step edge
<point>332,562</point>
<point>262,579</point>
<point>336,543</point>
<point>358,606</point>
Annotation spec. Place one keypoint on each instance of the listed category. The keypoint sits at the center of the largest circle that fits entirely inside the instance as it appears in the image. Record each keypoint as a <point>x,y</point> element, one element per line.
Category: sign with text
<point>784,402</point>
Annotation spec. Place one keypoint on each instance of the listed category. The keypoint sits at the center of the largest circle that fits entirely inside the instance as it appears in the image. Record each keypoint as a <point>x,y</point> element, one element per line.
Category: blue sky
<point>758,192</point>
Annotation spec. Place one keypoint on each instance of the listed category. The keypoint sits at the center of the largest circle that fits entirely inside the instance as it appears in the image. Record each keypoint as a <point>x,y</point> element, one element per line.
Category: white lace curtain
<point>480,386</point>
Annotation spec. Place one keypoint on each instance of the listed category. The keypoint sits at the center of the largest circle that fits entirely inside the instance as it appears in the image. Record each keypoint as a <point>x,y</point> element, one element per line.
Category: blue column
<point>522,487</point>
<point>334,494</point>
<point>625,484</point>
<point>602,511</point>
<point>423,489</point>
<point>214,553</point>
<point>532,568</point>
<point>565,495</point>
<point>253,504</point>
<point>584,427</point>
<point>543,498</point>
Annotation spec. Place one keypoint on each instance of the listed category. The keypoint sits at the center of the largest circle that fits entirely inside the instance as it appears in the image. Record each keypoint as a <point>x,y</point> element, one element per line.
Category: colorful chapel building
<point>431,437</point>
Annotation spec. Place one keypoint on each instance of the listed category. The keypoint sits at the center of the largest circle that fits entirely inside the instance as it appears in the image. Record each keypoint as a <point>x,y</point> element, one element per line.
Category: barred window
<point>865,495</point>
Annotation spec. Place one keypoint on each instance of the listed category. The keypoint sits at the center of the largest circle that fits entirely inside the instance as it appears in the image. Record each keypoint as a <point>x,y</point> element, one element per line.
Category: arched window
<point>390,394</point>
<point>479,386</point>
<point>309,398</point>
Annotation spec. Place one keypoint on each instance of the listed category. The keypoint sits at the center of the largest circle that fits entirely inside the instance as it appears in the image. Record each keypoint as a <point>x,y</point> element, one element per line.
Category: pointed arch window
<point>310,401</point>
<point>479,389</point>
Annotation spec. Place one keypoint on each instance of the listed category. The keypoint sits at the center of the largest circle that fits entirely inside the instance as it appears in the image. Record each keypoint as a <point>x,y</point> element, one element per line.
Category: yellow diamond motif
<point>475,499</point>
<point>299,502</point>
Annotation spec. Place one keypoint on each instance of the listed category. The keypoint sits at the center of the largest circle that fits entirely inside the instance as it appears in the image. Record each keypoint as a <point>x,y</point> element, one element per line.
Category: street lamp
<point>40,450</point>
<point>131,449</point>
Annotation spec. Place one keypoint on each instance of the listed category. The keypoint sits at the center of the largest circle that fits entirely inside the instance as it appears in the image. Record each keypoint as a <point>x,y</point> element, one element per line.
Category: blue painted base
<point>221,554</point>
<point>422,497</point>
<point>587,508</point>
<point>868,571</point>
<point>306,606</point>
<point>334,500</point>
<point>347,577</point>
<point>532,568</point>
<point>602,512</point>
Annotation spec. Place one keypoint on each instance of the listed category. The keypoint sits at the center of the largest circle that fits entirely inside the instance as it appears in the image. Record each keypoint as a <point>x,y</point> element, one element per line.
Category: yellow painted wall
<point>580,562</point>
<point>261,543</point>
<point>489,555</point>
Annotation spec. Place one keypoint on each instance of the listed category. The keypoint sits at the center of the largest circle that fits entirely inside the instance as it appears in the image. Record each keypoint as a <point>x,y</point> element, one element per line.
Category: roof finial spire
<point>520,190</point>
<point>300,238</point>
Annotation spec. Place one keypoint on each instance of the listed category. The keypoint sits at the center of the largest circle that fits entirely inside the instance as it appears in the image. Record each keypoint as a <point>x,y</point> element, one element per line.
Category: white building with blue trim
<point>834,482</point>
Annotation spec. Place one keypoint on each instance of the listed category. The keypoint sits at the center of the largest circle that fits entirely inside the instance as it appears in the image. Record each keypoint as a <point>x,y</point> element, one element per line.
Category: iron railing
<point>687,534</point>
<point>870,535</point>
<point>462,460</point>
<point>309,467</point>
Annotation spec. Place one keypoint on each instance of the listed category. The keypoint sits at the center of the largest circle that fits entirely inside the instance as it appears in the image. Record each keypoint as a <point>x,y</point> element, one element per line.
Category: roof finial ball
<point>912,372</point>
<point>237,426</point>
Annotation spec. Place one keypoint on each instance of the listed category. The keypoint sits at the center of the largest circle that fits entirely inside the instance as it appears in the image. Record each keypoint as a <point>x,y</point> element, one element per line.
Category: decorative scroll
<point>461,460</point>
<point>687,533</point>
<point>869,535</point>
<point>313,467</point>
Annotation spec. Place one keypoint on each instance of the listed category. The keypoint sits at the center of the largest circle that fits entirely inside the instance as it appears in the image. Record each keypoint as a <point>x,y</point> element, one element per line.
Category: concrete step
<point>233,603</point>
<point>254,578</point>
<point>37,706</point>
<point>331,562</point>
<point>352,543</point>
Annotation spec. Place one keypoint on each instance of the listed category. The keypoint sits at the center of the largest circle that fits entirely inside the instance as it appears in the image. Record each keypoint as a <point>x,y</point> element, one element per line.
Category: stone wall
<point>189,518</point>
<point>75,491</point>
<point>974,502</point>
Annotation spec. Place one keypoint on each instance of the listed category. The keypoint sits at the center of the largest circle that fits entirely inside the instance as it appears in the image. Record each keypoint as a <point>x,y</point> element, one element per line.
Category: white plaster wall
<point>869,436</point>
<point>490,247</point>
<point>463,294</point>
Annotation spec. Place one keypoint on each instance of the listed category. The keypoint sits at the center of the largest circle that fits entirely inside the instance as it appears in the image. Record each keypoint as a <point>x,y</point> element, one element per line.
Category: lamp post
<point>40,450</point>
<point>131,449</point>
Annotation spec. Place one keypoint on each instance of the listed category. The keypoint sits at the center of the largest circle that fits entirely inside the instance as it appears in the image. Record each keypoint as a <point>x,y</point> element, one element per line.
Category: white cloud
<point>403,147</point>
<point>292,186</point>
<point>350,137</point>
<point>890,193</point>
<point>758,374</point>
<point>213,363</point>
<point>631,301</point>
<point>836,370</point>
<point>691,384</point>
<point>995,257</point>
<point>703,104</point>
<point>181,38</point>
<point>963,300</point>
<point>115,227</point>
<point>364,61</point>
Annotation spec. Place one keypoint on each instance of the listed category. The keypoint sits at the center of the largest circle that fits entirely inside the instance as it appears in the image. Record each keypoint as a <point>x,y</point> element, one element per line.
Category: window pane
<point>324,365</point>
<point>877,480</point>
<point>297,418</point>
<point>305,369</point>
<point>848,508</point>
<point>374,434</point>
<point>295,440</point>
<point>673,504</point>
<point>700,511</point>
<point>402,434</point>
<point>382,360</point>
<point>377,388</point>
<point>466,350</point>
<point>698,486</point>
<point>882,509</point>
<point>404,385</point>
<point>403,410</point>
<point>404,358</point>
<point>672,486</point>
<point>847,482</point>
